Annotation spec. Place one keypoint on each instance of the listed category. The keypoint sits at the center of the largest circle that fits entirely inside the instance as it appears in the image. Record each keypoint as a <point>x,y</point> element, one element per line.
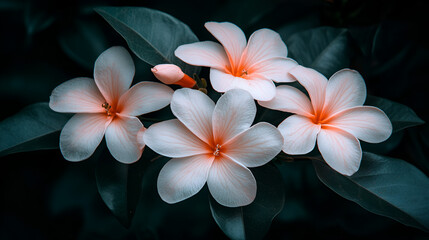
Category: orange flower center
<point>321,117</point>
<point>238,71</point>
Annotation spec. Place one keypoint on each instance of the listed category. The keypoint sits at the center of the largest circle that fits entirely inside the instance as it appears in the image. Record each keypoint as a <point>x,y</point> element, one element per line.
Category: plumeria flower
<point>214,144</point>
<point>172,74</point>
<point>106,106</point>
<point>334,116</point>
<point>250,66</point>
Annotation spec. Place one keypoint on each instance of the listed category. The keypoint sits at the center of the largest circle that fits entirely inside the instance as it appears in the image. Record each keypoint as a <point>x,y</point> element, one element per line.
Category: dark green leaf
<point>400,115</point>
<point>37,18</point>
<point>244,13</point>
<point>302,23</point>
<point>152,35</point>
<point>74,189</point>
<point>119,185</point>
<point>253,221</point>
<point>35,84</point>
<point>384,147</point>
<point>324,49</point>
<point>33,128</point>
<point>364,37</point>
<point>83,42</point>
<point>386,186</point>
<point>75,195</point>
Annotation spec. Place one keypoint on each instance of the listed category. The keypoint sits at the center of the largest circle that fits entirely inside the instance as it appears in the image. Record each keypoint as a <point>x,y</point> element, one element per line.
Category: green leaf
<point>33,128</point>
<point>244,13</point>
<point>386,186</point>
<point>83,42</point>
<point>324,49</point>
<point>400,115</point>
<point>152,35</point>
<point>302,23</point>
<point>119,185</point>
<point>384,147</point>
<point>253,221</point>
<point>37,18</point>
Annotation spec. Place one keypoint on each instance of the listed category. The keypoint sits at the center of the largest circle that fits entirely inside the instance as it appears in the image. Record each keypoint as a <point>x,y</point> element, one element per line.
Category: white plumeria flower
<point>106,106</point>
<point>250,66</point>
<point>214,144</point>
<point>334,116</point>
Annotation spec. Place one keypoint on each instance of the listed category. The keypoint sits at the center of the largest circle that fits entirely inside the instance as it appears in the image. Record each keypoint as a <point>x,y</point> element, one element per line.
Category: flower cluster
<point>216,143</point>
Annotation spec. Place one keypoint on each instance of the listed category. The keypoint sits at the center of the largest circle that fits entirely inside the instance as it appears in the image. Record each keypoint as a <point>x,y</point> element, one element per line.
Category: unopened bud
<point>172,74</point>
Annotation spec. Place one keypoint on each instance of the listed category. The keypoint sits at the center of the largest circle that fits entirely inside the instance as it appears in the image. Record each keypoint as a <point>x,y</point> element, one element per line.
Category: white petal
<point>77,95</point>
<point>234,112</point>
<point>264,44</point>
<point>113,72</point>
<point>207,53</point>
<point>369,124</point>
<point>194,109</point>
<point>140,139</point>
<point>275,69</point>
<point>231,37</point>
<point>181,178</point>
<point>121,139</point>
<point>315,84</point>
<point>82,134</point>
<point>256,146</point>
<point>299,134</point>
<point>230,183</point>
<point>172,139</point>
<point>260,89</point>
<point>340,150</point>
<point>144,97</point>
<point>289,99</point>
<point>345,89</point>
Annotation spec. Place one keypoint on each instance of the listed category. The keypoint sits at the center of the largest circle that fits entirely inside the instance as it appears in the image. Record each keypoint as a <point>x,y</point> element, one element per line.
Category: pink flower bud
<point>172,74</point>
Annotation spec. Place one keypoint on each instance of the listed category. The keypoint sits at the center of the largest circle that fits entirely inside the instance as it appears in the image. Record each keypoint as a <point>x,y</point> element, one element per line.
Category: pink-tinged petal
<point>172,139</point>
<point>260,89</point>
<point>234,113</point>
<point>113,72</point>
<point>299,134</point>
<point>256,146</point>
<point>82,134</point>
<point>231,37</point>
<point>144,97</point>
<point>78,95</point>
<point>289,99</point>
<point>276,70</point>
<point>369,124</point>
<point>264,44</point>
<point>121,139</point>
<point>340,150</point>
<point>314,82</point>
<point>230,183</point>
<point>194,109</point>
<point>181,178</point>
<point>168,73</point>
<point>207,54</point>
<point>140,139</point>
<point>345,89</point>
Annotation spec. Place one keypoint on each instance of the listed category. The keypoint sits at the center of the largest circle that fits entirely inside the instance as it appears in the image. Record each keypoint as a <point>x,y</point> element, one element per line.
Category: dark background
<point>44,43</point>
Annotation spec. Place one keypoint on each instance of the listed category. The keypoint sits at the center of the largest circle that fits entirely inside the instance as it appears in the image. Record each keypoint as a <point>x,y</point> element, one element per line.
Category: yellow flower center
<point>217,150</point>
<point>107,107</point>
